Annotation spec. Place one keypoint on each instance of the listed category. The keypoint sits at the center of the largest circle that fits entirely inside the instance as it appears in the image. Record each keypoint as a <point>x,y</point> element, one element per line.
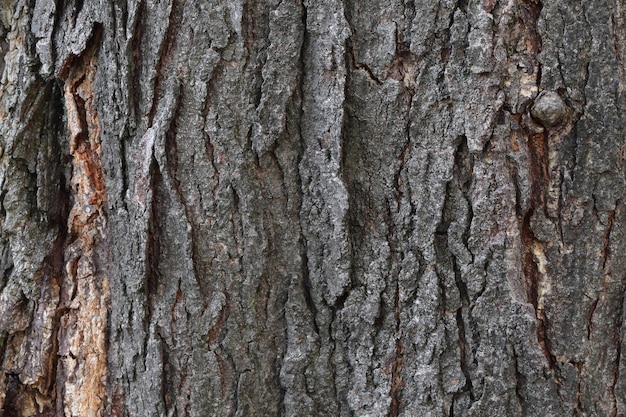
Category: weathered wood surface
<point>318,208</point>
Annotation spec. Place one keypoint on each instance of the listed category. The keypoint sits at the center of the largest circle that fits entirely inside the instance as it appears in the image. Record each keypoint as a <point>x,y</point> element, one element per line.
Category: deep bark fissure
<point>167,382</point>
<point>607,273</point>
<point>124,171</point>
<point>533,248</point>
<point>55,262</point>
<point>519,382</point>
<point>457,192</point>
<point>200,270</point>
<point>618,344</point>
<point>210,153</point>
<point>153,248</point>
<point>136,94</point>
<point>396,371</point>
<point>578,406</point>
<point>165,56</point>
<point>307,287</point>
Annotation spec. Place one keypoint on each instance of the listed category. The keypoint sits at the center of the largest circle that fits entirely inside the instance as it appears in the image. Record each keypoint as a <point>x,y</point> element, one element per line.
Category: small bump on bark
<point>549,108</point>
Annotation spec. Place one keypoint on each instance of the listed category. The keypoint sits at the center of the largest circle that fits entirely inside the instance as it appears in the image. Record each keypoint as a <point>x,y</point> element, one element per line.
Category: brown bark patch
<point>81,374</point>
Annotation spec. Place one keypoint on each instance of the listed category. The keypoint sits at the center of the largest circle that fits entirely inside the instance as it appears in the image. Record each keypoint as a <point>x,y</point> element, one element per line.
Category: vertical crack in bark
<point>218,330</point>
<point>462,180</point>
<point>397,366</point>
<point>167,379</point>
<point>216,76</point>
<point>153,246</point>
<point>306,281</point>
<point>606,242</point>
<point>589,321</point>
<point>578,406</point>
<point>210,153</point>
<point>404,156</point>
<point>606,254</point>
<point>616,369</point>
<point>306,287</point>
<point>247,23</point>
<point>534,259</point>
<point>137,58</point>
<point>396,371</point>
<point>82,335</point>
<point>409,15</point>
<point>214,341</point>
<point>398,183</point>
<point>401,70</point>
<point>618,40</point>
<point>468,387</point>
<point>125,173</point>
<point>538,153</point>
<point>519,382</point>
<point>169,39</point>
<point>200,264</point>
<point>454,225</point>
<point>55,273</point>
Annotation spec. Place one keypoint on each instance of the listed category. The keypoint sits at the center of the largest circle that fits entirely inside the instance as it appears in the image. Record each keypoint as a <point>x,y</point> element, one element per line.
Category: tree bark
<point>312,208</point>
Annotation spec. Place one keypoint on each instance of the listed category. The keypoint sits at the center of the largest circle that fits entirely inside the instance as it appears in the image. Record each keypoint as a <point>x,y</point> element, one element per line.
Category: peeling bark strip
<point>312,208</point>
<point>82,351</point>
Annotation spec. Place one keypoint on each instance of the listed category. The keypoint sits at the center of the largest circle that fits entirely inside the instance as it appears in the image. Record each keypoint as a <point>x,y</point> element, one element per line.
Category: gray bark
<point>312,208</point>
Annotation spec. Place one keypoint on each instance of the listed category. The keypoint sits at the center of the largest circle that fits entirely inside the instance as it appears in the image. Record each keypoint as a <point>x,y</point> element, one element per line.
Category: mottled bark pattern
<point>312,208</point>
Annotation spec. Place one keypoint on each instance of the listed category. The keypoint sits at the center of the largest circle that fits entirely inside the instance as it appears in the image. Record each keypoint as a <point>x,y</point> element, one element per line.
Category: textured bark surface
<point>312,208</point>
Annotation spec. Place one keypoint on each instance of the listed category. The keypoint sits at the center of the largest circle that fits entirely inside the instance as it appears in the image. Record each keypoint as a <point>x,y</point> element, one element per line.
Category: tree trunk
<point>312,208</point>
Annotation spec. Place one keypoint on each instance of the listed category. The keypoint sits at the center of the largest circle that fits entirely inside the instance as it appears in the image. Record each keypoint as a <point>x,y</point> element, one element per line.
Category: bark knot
<point>549,108</point>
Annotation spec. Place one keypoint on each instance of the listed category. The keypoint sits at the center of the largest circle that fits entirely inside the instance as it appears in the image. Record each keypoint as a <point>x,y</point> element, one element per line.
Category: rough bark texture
<point>312,208</point>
